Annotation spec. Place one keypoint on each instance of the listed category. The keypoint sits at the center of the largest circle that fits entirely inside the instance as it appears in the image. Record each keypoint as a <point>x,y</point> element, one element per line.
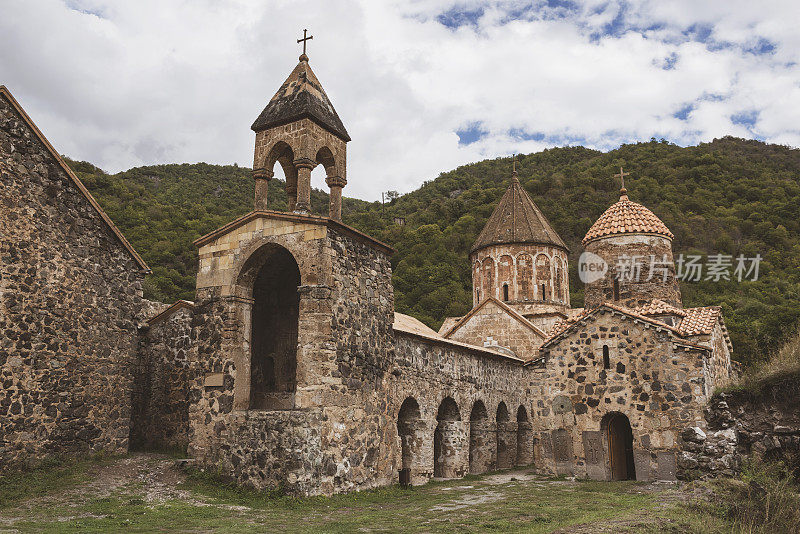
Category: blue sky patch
<point>762,47</point>
<point>471,133</point>
<point>455,17</point>
<point>683,113</point>
<point>745,118</point>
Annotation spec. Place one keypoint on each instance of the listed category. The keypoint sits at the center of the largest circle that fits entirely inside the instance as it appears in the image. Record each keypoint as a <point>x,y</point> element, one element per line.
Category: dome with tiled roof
<point>627,217</point>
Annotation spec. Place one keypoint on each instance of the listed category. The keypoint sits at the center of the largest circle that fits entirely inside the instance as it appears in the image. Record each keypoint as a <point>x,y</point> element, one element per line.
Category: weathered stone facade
<point>459,391</point>
<point>160,416</point>
<point>521,275</point>
<point>615,363</point>
<point>333,433</point>
<point>493,323</point>
<point>653,276</point>
<point>762,424</point>
<point>70,293</point>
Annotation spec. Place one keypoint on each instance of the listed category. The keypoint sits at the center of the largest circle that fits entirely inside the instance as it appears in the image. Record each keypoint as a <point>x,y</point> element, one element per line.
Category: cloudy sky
<point>421,85</point>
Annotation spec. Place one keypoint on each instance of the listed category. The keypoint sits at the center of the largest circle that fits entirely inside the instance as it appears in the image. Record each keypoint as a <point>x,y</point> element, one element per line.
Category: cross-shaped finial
<point>622,176</point>
<point>305,38</point>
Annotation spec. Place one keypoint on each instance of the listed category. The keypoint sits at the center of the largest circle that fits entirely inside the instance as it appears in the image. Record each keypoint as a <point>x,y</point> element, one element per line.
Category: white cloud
<point>135,83</point>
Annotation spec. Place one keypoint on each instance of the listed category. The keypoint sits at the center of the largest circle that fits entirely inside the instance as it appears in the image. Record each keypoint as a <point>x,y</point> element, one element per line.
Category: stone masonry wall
<point>524,268</point>
<point>69,297</point>
<point>161,416</point>
<point>493,321</point>
<point>742,424</point>
<point>657,385</point>
<point>430,372</point>
<point>335,439</point>
<point>635,288</point>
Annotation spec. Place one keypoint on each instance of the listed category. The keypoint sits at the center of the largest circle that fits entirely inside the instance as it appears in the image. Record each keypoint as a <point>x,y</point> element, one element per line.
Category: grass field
<point>145,493</point>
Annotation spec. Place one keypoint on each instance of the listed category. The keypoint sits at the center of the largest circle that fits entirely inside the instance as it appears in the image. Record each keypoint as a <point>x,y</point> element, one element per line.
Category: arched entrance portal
<point>619,437</point>
<point>410,428</point>
<point>447,440</point>
<point>273,339</point>
<point>480,442</point>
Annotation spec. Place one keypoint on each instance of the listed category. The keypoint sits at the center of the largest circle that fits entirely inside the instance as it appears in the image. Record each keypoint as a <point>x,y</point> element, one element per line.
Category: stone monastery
<point>291,368</point>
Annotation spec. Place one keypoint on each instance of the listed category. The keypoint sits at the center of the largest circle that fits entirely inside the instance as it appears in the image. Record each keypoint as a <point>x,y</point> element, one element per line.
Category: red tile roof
<point>626,217</point>
<point>699,321</point>
<point>659,307</point>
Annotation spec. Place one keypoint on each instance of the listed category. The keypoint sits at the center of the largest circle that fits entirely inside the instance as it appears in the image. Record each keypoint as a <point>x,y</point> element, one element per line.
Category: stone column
<point>453,438</point>
<point>336,183</point>
<point>304,167</point>
<point>262,177</point>
<point>506,445</point>
<point>524,443</point>
<point>291,186</point>
<point>481,446</point>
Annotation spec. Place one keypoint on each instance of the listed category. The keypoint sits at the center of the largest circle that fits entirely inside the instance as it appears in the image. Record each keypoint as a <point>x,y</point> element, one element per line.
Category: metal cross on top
<point>305,38</point>
<point>622,176</point>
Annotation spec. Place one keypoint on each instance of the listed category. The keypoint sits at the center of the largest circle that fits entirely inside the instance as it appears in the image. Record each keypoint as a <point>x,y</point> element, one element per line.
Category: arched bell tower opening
<point>273,333</point>
<point>300,129</point>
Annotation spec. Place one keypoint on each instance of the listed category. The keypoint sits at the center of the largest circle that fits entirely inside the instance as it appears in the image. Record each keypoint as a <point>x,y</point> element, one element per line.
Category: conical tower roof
<point>627,217</point>
<point>301,96</point>
<point>516,219</point>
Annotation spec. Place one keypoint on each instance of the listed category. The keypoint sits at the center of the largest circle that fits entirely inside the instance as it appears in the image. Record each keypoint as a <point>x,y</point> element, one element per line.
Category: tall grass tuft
<point>784,363</point>
<point>764,500</point>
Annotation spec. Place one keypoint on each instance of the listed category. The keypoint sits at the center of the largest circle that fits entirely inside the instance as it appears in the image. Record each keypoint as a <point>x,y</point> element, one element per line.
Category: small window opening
<point>616,289</point>
<point>478,292</point>
<point>544,292</point>
<point>606,358</point>
<point>505,292</point>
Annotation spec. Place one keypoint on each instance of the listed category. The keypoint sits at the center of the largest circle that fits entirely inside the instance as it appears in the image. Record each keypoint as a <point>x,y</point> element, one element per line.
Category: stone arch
<point>524,437</point>
<point>448,440</point>
<point>282,153</point>
<point>505,277</point>
<point>544,277</point>
<point>325,158</point>
<point>525,281</point>
<point>411,430</point>
<point>487,278</point>
<point>558,284</point>
<point>477,282</point>
<point>618,444</point>
<point>506,438</point>
<point>268,379</point>
<point>480,442</point>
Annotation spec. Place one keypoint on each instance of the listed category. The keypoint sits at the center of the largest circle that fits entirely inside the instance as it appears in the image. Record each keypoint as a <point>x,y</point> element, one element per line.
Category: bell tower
<point>300,129</point>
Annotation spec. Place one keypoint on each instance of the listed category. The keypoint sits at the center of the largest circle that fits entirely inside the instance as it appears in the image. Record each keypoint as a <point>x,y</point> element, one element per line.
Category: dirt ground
<point>136,491</point>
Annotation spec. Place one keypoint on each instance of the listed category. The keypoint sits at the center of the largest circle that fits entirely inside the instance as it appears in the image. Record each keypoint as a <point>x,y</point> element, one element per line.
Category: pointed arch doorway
<point>619,436</point>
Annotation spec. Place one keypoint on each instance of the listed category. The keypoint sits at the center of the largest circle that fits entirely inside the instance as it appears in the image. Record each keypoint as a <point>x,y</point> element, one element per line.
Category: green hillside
<point>731,196</point>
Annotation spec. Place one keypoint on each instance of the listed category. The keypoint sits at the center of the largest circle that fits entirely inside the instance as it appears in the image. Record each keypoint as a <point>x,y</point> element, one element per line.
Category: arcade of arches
<point>485,444</point>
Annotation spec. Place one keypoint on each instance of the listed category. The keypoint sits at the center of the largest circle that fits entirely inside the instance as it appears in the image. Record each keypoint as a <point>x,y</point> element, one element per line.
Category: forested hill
<point>730,196</point>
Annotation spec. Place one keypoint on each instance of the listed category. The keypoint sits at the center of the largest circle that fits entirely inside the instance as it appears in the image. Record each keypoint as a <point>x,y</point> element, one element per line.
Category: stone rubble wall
<point>762,425</point>
<point>430,372</point>
<point>160,418</point>
<point>657,386</point>
<point>638,286</point>
<point>337,437</point>
<point>70,297</point>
